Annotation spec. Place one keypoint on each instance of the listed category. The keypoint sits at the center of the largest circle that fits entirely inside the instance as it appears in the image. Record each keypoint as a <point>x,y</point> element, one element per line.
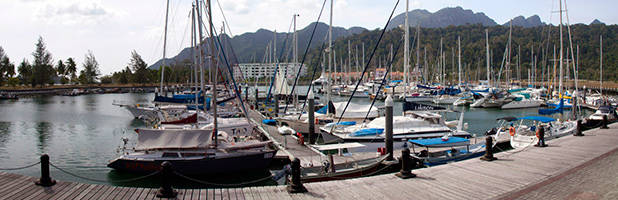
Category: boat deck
<point>562,169</point>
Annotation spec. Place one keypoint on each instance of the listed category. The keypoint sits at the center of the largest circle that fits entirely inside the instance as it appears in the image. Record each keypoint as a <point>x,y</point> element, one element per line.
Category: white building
<point>261,70</point>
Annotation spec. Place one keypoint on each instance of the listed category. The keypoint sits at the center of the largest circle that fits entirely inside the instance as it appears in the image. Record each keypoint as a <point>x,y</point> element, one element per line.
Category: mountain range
<point>251,46</point>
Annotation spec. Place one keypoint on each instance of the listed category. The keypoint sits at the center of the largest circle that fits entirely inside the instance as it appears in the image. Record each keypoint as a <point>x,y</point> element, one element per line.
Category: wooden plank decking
<point>515,173</point>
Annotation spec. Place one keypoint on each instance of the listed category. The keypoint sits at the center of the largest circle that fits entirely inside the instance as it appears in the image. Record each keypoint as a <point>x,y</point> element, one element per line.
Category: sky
<point>112,29</point>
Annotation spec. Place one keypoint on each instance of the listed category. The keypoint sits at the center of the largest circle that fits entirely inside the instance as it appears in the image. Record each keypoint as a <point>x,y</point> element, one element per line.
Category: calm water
<point>81,134</point>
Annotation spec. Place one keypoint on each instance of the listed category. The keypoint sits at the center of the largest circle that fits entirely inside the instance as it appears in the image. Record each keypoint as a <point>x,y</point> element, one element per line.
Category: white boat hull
<point>528,103</point>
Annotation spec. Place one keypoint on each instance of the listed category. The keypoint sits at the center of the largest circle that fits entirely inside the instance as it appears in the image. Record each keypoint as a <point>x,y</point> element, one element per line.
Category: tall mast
<point>459,57</point>
<point>295,59</point>
<point>213,65</point>
<point>295,37</point>
<point>418,46</point>
<point>194,50</point>
<point>487,59</point>
<point>601,63</point>
<point>508,61</point>
<point>561,53</point>
<point>349,61</point>
<point>391,67</point>
<point>199,48</point>
<point>440,55</point>
<point>167,9</point>
<point>330,57</point>
<point>405,51</point>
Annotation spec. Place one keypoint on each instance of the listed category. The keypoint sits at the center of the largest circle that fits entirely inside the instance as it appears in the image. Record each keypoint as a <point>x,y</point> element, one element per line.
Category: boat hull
<point>202,166</point>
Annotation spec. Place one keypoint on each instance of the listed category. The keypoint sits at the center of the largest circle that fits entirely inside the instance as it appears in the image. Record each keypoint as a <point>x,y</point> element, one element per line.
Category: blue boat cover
<point>555,109</point>
<point>538,118</point>
<point>396,81</point>
<point>367,132</point>
<point>269,121</point>
<point>346,123</point>
<point>437,141</point>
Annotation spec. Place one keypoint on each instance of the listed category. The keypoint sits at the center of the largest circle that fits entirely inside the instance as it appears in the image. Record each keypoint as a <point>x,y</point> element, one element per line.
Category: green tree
<point>61,71</point>
<point>25,73</point>
<point>140,68</point>
<point>71,69</point>
<point>7,69</point>
<point>42,68</point>
<point>91,70</point>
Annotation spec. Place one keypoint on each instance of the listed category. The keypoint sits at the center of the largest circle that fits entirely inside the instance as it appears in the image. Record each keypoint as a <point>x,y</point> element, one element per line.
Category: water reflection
<point>90,102</point>
<point>5,128</point>
<point>43,131</point>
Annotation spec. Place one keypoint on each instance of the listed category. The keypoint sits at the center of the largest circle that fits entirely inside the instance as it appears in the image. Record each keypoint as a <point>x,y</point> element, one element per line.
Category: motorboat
<point>524,133</point>
<point>605,111</point>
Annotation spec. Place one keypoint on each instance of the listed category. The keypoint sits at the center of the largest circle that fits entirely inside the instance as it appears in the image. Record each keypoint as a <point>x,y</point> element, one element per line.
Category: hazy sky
<point>113,28</point>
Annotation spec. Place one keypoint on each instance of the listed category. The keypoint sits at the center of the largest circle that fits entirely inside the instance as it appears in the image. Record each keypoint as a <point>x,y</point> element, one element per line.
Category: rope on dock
<point>223,184</point>
<point>105,181</point>
<point>18,168</point>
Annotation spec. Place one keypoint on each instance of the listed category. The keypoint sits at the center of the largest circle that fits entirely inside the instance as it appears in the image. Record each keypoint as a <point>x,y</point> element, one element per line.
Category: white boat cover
<point>355,111</point>
<point>348,145</point>
<point>148,139</point>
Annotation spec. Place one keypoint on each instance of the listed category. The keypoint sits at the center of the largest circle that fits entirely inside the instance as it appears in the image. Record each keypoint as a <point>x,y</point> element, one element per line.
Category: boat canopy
<point>538,118</point>
<point>149,139</point>
<point>440,142</point>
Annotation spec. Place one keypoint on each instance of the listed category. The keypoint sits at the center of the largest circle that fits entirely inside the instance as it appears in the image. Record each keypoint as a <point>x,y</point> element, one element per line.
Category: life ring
<point>512,131</point>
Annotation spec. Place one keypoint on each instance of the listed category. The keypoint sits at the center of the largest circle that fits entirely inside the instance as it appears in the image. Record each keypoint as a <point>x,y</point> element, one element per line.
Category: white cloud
<point>71,12</point>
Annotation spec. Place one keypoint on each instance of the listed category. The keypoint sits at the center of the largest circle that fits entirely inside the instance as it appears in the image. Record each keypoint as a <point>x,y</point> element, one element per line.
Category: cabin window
<point>170,155</point>
<point>192,154</point>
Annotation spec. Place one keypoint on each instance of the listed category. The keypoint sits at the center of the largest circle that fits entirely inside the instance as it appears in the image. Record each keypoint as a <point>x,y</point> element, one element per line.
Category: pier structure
<point>569,167</point>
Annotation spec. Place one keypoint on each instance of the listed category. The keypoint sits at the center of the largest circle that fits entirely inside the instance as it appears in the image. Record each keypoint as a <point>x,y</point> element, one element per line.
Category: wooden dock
<point>514,174</point>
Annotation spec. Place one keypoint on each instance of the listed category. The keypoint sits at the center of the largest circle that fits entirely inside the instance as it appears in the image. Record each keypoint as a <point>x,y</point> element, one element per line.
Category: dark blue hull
<point>200,166</point>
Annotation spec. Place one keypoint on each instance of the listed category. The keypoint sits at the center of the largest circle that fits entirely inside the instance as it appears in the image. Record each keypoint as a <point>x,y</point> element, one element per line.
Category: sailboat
<point>215,146</point>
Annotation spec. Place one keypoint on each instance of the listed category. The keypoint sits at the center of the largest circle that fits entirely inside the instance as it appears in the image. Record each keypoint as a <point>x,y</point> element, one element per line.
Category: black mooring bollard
<point>406,165</point>
<point>604,123</point>
<point>489,154</point>
<point>578,131</point>
<point>296,186</point>
<point>45,179</point>
<point>166,190</point>
<point>541,136</point>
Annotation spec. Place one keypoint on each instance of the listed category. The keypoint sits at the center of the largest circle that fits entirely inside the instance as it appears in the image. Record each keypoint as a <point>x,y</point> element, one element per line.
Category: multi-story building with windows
<point>261,70</point>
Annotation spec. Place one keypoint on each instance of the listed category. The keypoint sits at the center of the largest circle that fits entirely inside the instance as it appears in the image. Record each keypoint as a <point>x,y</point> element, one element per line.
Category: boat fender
<point>317,121</point>
<point>512,131</point>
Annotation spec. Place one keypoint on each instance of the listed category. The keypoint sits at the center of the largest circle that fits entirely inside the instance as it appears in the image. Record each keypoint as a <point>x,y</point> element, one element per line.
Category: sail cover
<point>281,85</point>
<point>148,139</point>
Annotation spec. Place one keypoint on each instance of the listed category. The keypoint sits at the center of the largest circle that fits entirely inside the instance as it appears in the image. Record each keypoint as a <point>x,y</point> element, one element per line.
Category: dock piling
<point>604,123</point>
<point>406,169</point>
<point>246,93</point>
<point>578,132</point>
<point>45,180</point>
<point>541,136</point>
<point>166,190</point>
<point>389,128</point>
<point>276,105</point>
<point>257,92</point>
<point>296,186</point>
<point>311,114</point>
<point>489,154</point>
